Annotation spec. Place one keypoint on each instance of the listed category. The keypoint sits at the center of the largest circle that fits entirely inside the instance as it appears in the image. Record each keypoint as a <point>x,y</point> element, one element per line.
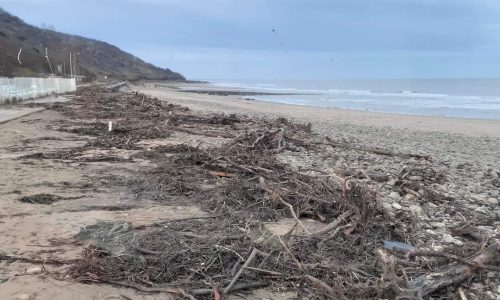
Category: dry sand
<point>89,196</point>
<point>467,149</point>
<point>90,192</point>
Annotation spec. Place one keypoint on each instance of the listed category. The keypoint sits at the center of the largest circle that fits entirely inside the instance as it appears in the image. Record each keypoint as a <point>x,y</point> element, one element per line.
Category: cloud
<point>227,63</point>
<point>365,37</point>
<point>231,10</point>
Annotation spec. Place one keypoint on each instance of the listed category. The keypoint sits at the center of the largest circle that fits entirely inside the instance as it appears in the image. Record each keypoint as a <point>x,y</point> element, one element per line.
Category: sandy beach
<point>69,185</point>
<point>322,118</point>
<point>468,139</point>
<point>228,150</point>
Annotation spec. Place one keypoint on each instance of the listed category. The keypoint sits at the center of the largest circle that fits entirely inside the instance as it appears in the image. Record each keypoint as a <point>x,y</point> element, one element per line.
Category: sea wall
<point>21,88</point>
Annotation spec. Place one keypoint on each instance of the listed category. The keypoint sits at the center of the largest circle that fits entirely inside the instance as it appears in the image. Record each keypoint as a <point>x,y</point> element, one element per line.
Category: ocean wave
<point>353,100</point>
<point>400,101</point>
<point>271,87</point>
<point>264,87</point>
<point>407,94</point>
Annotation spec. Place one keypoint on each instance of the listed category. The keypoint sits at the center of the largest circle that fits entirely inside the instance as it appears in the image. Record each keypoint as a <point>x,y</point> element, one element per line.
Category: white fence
<point>17,89</point>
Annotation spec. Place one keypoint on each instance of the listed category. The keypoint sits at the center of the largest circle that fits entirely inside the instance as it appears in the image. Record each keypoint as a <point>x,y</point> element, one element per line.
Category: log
<point>429,283</point>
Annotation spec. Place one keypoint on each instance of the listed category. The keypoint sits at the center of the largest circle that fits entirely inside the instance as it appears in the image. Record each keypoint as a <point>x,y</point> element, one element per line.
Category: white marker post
<point>110,126</point>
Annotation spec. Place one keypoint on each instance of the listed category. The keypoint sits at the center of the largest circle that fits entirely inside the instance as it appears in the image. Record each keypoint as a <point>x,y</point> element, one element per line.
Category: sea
<point>458,98</point>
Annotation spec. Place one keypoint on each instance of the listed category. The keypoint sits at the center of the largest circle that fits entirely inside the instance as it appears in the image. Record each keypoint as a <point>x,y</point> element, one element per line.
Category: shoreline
<point>376,112</point>
<point>232,104</point>
<point>443,110</point>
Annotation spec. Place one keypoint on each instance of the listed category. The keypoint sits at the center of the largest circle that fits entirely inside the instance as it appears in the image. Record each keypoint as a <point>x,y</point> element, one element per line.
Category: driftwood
<point>329,291</point>
<point>221,237</point>
<point>146,251</point>
<point>44,261</point>
<point>330,142</point>
<point>299,265</point>
<point>333,225</point>
<point>204,133</point>
<point>235,278</point>
<point>292,212</point>
<point>452,257</point>
<point>432,282</point>
<point>138,287</point>
<point>377,151</point>
<point>237,287</point>
<point>246,183</point>
<point>455,274</point>
<point>181,292</point>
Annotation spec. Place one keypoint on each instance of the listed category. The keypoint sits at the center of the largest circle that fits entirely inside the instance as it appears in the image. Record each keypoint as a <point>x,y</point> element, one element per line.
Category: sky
<point>289,39</point>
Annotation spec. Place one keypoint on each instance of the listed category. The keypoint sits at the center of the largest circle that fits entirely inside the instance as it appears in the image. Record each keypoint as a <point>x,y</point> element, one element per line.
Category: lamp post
<point>50,65</point>
<point>70,66</point>
<point>74,57</point>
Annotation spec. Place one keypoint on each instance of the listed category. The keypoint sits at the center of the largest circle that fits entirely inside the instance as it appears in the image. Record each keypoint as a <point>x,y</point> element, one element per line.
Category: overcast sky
<point>300,39</point>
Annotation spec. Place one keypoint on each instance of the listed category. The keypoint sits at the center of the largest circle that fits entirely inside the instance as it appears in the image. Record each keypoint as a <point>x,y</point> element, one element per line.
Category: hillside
<point>96,59</point>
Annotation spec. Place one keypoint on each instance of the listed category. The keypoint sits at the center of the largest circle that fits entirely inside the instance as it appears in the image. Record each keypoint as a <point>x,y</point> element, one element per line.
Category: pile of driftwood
<point>359,252</point>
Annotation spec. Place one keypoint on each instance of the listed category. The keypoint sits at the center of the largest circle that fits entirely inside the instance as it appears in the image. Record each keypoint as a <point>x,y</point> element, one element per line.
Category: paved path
<point>12,112</point>
<point>9,114</point>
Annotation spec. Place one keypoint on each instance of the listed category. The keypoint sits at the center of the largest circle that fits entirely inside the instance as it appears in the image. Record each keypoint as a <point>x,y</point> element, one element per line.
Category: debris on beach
<point>351,232</point>
<point>40,199</point>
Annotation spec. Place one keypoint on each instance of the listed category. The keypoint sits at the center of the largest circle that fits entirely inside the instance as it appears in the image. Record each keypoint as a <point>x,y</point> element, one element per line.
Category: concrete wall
<point>22,88</point>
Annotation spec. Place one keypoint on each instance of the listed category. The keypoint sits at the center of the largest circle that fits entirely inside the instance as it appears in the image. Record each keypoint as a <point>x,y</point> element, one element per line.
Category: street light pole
<point>70,66</point>
<point>50,65</point>
<point>74,58</point>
